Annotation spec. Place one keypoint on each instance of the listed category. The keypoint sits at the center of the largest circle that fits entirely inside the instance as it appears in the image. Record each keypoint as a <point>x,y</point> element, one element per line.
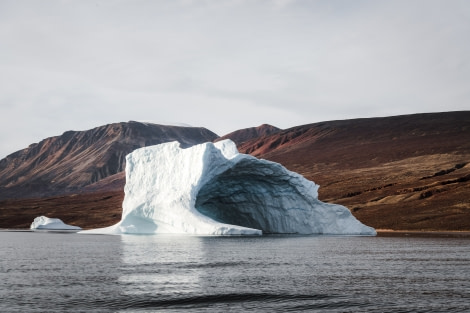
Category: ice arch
<point>212,189</point>
<point>256,195</point>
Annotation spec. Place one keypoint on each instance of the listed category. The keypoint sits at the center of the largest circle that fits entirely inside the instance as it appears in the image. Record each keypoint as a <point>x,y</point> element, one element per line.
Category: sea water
<point>49,272</point>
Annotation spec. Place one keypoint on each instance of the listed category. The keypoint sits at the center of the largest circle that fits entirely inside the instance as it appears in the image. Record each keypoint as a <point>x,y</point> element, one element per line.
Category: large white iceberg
<point>46,223</point>
<point>211,189</point>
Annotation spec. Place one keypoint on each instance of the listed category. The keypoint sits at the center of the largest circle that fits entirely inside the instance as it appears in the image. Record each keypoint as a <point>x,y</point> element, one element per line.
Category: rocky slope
<point>407,172</point>
<point>77,159</point>
<point>402,172</point>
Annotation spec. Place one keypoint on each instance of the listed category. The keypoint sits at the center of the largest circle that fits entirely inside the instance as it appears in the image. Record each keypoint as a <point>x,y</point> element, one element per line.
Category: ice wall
<point>211,189</point>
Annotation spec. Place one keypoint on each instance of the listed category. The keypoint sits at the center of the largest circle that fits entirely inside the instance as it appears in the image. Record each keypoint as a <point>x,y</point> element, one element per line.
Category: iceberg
<point>212,189</point>
<point>46,223</point>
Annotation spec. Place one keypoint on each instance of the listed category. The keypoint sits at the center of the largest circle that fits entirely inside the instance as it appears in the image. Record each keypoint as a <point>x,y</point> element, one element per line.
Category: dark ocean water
<point>46,272</point>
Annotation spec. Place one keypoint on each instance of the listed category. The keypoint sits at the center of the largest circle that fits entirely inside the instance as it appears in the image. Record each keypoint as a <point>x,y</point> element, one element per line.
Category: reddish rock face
<point>79,159</point>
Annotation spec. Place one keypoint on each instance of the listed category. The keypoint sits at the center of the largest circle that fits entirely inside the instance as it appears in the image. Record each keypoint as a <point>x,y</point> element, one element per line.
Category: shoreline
<point>423,233</point>
<point>380,233</point>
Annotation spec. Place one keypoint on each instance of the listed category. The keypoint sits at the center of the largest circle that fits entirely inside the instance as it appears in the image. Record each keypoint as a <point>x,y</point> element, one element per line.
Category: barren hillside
<point>77,159</point>
<point>407,172</point>
<point>403,172</point>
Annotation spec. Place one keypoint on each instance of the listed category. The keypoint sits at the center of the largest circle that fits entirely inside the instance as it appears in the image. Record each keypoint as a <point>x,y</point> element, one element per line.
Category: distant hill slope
<point>242,135</point>
<point>402,172</point>
<point>76,159</point>
<point>357,141</point>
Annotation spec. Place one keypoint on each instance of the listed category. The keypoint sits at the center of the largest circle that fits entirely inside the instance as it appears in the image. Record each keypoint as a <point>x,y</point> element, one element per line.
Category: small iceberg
<point>44,223</point>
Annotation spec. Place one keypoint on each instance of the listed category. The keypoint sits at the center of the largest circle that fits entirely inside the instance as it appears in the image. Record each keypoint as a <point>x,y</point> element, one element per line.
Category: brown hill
<point>403,172</point>
<point>77,159</point>
<point>407,172</point>
<point>92,210</point>
<point>242,135</point>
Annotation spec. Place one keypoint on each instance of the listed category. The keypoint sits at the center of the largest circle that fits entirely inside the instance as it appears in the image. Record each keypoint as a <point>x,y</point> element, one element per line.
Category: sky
<point>225,64</point>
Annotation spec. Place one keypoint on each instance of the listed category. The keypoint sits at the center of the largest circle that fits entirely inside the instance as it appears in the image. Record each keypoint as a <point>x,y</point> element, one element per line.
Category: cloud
<point>225,65</point>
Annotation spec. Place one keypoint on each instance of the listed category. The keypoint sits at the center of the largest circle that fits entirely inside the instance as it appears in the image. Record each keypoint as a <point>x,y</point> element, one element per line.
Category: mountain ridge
<point>246,134</point>
<point>75,159</point>
<point>408,172</point>
<point>381,132</point>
